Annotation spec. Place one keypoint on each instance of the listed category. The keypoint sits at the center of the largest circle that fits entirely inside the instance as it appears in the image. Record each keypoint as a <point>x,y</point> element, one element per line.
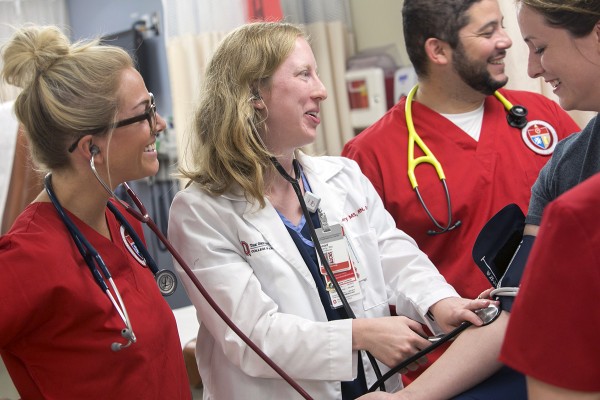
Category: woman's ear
<point>257,102</point>
<point>87,147</point>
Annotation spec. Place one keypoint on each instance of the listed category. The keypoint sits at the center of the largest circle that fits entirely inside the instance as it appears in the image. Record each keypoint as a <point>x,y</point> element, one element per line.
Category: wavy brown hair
<point>225,147</point>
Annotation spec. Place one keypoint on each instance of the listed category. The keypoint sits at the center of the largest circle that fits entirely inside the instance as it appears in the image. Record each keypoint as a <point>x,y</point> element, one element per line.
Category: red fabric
<point>57,325</point>
<point>482,177</point>
<point>264,10</point>
<point>553,330</point>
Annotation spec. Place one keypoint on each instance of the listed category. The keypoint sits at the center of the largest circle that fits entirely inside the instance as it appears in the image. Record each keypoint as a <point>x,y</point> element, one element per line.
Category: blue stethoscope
<point>166,280</point>
<point>516,117</point>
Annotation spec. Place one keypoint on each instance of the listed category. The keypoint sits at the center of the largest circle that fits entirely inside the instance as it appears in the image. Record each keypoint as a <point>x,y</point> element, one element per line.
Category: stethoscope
<point>487,315</point>
<point>166,280</point>
<point>295,182</point>
<point>516,117</point>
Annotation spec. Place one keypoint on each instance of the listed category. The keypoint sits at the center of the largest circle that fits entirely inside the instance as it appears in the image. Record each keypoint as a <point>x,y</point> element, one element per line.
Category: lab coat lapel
<point>319,171</point>
<point>268,223</point>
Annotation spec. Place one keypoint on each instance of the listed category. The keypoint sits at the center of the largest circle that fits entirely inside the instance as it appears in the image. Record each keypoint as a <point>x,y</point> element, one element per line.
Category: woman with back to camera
<point>91,125</point>
<point>552,331</point>
<point>241,228</point>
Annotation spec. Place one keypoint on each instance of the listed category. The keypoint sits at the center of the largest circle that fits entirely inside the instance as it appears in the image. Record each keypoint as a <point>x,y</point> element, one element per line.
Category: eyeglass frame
<point>149,114</point>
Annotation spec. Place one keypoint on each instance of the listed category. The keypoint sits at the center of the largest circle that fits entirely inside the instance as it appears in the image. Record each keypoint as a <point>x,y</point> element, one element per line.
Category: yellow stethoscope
<point>516,117</point>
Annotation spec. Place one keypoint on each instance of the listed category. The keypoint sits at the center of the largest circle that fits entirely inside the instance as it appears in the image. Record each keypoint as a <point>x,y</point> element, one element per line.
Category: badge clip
<point>312,201</point>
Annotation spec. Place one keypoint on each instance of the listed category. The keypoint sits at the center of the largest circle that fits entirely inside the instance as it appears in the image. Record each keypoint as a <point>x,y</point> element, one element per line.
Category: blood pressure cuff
<point>498,241</point>
<point>500,250</point>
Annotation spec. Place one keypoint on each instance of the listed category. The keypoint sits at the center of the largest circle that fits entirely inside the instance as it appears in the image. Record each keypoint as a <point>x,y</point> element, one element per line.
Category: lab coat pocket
<point>372,283</point>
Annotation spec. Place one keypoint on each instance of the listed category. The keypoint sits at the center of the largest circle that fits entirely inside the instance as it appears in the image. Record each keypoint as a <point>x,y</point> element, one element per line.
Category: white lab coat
<point>271,295</point>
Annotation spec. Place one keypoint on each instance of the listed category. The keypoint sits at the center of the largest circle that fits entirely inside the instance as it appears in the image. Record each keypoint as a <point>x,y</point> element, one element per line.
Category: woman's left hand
<point>452,311</point>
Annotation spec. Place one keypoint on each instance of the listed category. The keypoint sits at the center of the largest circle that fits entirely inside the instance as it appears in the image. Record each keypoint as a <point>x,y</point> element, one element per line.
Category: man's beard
<point>475,74</point>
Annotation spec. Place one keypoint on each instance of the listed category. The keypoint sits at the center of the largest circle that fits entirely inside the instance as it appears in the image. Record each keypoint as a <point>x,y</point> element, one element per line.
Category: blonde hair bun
<point>31,52</point>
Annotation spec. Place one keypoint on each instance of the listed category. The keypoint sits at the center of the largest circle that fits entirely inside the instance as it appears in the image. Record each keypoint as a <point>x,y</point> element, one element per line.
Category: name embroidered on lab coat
<point>355,214</point>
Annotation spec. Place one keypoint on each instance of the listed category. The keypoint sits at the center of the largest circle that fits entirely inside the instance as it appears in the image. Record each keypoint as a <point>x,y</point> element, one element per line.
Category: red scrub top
<point>553,330</point>
<point>482,176</point>
<point>57,325</point>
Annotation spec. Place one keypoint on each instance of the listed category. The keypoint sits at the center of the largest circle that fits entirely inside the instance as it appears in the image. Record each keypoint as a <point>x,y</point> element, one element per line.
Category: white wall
<point>378,23</point>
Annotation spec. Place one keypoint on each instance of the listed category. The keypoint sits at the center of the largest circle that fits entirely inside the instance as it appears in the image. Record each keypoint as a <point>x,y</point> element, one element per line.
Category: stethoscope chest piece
<point>167,282</point>
<point>517,116</point>
<point>488,314</point>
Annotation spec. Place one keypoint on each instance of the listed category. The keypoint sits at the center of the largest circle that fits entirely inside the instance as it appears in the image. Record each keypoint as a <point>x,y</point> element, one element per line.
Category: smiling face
<point>292,101</point>
<point>571,65</point>
<point>479,57</point>
<point>132,147</point>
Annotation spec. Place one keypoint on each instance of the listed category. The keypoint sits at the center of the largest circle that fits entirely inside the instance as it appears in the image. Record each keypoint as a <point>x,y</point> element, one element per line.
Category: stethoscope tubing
<point>415,357</point>
<point>317,245</point>
<point>136,239</point>
<point>89,254</point>
<point>312,230</point>
<point>516,117</point>
<point>429,158</point>
<point>488,315</point>
<point>145,218</point>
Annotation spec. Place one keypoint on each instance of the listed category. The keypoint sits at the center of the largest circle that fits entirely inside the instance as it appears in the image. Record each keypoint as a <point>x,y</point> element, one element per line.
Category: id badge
<point>335,249</point>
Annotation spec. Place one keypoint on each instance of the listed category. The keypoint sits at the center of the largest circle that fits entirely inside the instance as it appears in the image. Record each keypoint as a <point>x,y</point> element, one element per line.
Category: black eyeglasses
<point>149,114</point>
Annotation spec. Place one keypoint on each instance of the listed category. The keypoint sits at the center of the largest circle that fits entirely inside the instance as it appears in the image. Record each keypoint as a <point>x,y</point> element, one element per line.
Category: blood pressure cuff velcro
<point>498,241</point>
<point>514,272</point>
<point>501,251</point>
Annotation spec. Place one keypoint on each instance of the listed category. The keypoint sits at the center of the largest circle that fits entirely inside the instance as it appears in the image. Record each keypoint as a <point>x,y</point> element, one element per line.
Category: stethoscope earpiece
<point>94,149</point>
<point>128,335</point>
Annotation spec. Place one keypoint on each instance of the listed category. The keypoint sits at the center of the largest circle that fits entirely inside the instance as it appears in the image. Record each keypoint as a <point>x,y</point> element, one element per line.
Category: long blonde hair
<point>225,147</point>
<point>69,90</point>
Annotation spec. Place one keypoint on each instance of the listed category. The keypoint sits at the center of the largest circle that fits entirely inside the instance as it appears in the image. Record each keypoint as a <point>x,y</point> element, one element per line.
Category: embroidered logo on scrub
<point>257,247</point>
<point>131,247</point>
<point>540,137</point>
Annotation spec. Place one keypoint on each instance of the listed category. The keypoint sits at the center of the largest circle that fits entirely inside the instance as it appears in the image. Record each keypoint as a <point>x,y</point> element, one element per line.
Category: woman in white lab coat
<point>240,226</point>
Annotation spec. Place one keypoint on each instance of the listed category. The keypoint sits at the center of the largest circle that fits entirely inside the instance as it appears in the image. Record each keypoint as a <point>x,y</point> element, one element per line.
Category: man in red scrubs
<point>457,49</point>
